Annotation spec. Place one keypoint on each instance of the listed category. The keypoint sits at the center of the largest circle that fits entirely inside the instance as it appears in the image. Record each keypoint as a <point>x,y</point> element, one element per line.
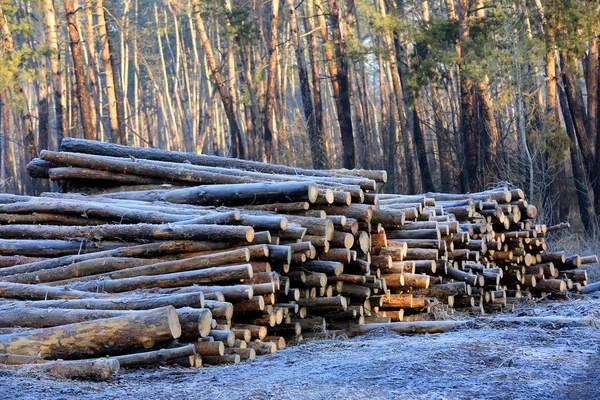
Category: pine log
<point>188,264</point>
<point>43,292</point>
<point>131,232</point>
<point>209,275</point>
<point>229,293</point>
<point>195,300</point>
<point>51,248</point>
<point>97,369</point>
<point>245,354</point>
<point>143,250</point>
<point>229,195</point>
<point>76,270</point>
<point>156,356</point>
<point>407,327</point>
<point>110,149</point>
<point>98,337</point>
<point>213,348</point>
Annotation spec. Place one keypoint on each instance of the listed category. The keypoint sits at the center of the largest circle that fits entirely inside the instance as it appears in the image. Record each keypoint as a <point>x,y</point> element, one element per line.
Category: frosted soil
<point>486,360</point>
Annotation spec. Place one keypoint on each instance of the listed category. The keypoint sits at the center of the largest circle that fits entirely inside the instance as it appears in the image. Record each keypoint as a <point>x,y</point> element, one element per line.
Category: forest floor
<point>487,359</point>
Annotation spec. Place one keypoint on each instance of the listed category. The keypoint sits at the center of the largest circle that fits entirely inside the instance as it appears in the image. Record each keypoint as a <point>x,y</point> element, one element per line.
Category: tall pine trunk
<point>269,122</point>
<point>237,148</point>
<point>79,71</point>
<point>339,42</point>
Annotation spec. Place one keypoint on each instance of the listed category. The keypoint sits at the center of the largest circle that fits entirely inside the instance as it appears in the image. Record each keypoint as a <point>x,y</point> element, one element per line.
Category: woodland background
<point>446,95</point>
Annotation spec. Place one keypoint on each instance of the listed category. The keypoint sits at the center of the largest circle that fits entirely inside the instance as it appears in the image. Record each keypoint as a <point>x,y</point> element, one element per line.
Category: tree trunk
<point>580,178</point>
<point>79,71</point>
<point>339,42</point>
<point>316,84</point>
<point>317,142</point>
<point>491,128</point>
<point>23,107</point>
<point>269,123</point>
<point>467,106</point>
<point>59,109</point>
<point>117,132</point>
<point>237,147</point>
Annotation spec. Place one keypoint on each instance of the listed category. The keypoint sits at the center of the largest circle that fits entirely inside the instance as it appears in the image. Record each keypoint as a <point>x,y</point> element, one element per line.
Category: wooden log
<point>225,336</point>
<point>355,291</point>
<point>131,232</point>
<point>551,285</point>
<point>220,360</point>
<point>98,337</point>
<point>10,261</point>
<point>591,288</point>
<point>280,207</point>
<point>209,348</point>
<point>52,248</point>
<point>394,281</point>
<point>256,331</point>
<point>144,250</point>
<point>257,303</point>
<point>155,357</point>
<point>458,275</point>
<point>42,292</point>
<point>263,348</point>
<point>97,369</point>
<point>244,354</point>
<point>330,268</point>
<point>209,275</point>
<point>188,264</point>
<point>407,327</point>
<point>228,293</point>
<point>229,195</point>
<point>195,322</point>
<point>324,303</point>
<point>109,149</point>
<point>77,270</point>
<point>195,300</point>
<point>444,290</point>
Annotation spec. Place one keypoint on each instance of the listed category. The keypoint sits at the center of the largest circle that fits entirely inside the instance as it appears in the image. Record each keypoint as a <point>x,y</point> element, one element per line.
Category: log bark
<point>229,195</point>
<point>155,357</point>
<point>143,250</point>
<point>407,327</point>
<point>21,291</point>
<point>195,300</point>
<point>99,337</point>
<point>131,232</point>
<point>97,369</point>
<point>209,275</point>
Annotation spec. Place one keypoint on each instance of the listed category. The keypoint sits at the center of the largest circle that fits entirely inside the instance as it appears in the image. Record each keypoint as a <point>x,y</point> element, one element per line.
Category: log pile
<point>148,256</point>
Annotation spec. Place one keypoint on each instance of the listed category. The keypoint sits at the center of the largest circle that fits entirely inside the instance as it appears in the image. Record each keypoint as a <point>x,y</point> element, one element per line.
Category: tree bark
<point>117,131</point>
<point>269,122</point>
<point>237,147</point>
<point>339,42</point>
<point>79,70</point>
<point>317,143</point>
<point>316,84</point>
<point>99,337</point>
<point>31,148</point>
<point>467,105</point>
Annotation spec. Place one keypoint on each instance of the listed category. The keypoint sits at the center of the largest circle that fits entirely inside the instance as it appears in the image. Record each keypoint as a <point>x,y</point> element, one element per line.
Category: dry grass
<point>575,243</point>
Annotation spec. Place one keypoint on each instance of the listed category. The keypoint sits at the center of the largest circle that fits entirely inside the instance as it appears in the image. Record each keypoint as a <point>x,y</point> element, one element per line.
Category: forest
<point>446,95</point>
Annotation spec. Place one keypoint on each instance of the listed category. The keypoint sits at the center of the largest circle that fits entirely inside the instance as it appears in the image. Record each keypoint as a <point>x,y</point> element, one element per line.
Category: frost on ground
<point>491,360</point>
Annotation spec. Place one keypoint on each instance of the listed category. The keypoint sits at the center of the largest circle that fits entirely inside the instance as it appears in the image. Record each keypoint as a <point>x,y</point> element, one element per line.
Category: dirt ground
<point>490,360</point>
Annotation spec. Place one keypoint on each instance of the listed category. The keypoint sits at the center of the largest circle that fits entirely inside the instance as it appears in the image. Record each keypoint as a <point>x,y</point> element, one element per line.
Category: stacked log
<point>240,259</point>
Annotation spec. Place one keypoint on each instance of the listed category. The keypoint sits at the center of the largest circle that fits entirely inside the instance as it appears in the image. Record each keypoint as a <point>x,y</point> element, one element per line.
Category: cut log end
<point>174,324</point>
<point>313,193</point>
